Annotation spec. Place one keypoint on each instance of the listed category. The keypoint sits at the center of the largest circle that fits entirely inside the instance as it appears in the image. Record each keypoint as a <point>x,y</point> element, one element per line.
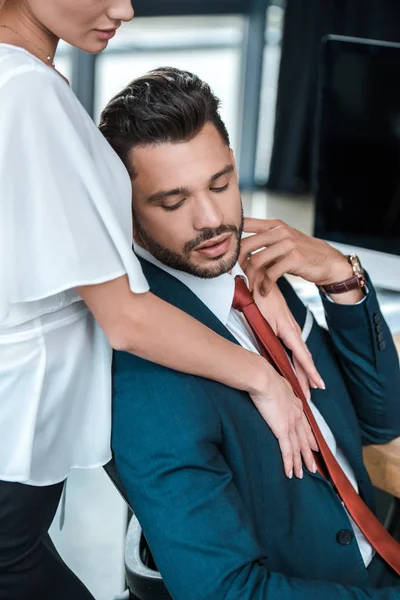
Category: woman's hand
<point>287,420</point>
<point>276,311</point>
<point>283,412</point>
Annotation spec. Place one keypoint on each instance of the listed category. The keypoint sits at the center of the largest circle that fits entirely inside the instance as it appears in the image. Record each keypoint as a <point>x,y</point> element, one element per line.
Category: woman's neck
<point>21,28</point>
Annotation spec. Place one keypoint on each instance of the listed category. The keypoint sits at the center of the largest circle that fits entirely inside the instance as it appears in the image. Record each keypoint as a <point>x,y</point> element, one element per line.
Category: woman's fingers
<point>297,448</point>
<point>295,441</point>
<point>277,313</point>
<point>291,337</point>
<point>302,377</point>
<point>287,455</point>
<point>312,442</point>
<point>283,412</point>
<point>305,445</point>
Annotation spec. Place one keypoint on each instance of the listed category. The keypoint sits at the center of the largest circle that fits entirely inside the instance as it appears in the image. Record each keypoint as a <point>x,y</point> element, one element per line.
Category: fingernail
<point>291,474</point>
<point>314,468</point>
<point>308,396</point>
<point>322,384</point>
<point>301,474</point>
<point>314,386</point>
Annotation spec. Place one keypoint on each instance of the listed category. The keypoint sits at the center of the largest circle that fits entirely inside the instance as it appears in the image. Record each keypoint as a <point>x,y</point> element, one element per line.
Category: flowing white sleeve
<point>65,216</point>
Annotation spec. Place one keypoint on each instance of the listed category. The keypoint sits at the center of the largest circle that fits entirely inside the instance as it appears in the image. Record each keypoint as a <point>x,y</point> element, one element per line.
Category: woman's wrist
<point>257,375</point>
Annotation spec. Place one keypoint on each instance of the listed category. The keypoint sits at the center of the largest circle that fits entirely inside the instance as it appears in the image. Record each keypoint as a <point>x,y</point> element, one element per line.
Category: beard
<point>181,260</point>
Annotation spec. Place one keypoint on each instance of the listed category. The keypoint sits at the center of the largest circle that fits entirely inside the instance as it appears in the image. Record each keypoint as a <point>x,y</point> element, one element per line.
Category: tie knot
<point>242,296</point>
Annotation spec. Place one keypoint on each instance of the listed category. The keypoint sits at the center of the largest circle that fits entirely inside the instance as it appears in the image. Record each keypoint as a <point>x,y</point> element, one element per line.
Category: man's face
<point>186,204</point>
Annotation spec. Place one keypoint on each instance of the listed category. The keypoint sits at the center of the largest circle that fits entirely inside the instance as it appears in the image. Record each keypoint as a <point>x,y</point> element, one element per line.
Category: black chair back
<point>111,471</point>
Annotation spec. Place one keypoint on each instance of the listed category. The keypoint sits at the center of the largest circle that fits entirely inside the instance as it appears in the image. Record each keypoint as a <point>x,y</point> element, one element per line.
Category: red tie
<point>376,534</point>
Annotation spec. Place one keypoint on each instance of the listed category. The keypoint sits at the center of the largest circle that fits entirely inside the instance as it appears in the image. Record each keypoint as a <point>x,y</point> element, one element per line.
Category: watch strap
<point>341,287</point>
<point>356,281</point>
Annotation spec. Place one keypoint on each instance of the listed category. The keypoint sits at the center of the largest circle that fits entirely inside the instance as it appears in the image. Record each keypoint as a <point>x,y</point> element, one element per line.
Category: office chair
<point>142,577</point>
<point>145,582</point>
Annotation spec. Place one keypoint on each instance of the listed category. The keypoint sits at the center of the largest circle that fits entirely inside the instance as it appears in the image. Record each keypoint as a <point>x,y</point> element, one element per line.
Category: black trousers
<point>30,566</point>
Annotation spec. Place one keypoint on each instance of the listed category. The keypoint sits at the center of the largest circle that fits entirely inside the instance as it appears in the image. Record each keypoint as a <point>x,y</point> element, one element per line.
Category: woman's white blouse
<point>65,221</point>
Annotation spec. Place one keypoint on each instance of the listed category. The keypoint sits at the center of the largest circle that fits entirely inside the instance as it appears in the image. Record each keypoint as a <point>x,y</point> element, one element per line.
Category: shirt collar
<point>217,293</point>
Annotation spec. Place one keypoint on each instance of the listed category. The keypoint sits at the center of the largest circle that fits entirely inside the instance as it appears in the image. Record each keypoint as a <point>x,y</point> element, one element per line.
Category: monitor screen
<point>357,146</point>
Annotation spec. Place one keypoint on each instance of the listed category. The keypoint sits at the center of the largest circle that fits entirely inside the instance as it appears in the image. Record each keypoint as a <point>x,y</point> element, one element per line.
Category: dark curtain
<point>306,23</point>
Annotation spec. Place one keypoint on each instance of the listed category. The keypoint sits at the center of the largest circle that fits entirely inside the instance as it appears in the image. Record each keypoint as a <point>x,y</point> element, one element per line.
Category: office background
<point>268,105</point>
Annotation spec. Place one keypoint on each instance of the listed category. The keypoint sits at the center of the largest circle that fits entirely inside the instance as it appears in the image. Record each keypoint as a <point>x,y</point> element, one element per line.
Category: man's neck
<point>216,293</point>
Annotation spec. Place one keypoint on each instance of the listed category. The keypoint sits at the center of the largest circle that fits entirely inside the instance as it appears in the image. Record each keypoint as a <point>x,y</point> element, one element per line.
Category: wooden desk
<point>383,462</point>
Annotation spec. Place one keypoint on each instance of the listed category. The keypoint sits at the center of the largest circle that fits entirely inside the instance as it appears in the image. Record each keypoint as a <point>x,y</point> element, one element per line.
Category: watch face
<point>355,263</point>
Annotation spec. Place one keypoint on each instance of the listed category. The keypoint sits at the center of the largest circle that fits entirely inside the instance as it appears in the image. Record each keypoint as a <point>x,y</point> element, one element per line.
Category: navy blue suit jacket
<point>204,472</point>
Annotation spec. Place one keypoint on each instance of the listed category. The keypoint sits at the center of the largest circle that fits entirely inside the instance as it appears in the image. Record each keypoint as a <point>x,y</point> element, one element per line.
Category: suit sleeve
<point>167,440</point>
<point>370,364</point>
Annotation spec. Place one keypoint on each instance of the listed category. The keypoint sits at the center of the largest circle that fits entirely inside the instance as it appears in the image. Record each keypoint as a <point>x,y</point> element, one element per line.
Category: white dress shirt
<point>217,294</point>
<point>65,221</point>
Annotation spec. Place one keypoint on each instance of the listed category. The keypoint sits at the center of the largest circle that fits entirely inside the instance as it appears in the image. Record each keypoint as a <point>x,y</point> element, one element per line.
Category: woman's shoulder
<point>15,60</point>
<point>32,92</point>
<point>23,76</point>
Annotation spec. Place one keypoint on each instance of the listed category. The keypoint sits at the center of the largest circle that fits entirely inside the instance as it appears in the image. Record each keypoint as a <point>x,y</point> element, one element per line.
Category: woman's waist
<point>22,313</point>
<point>29,322</point>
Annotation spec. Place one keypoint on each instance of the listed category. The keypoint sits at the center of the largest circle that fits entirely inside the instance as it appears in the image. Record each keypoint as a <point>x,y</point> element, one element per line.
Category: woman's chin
<point>93,46</point>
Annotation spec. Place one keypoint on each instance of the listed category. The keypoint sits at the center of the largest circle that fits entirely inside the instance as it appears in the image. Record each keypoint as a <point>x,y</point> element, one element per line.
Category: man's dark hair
<point>165,106</point>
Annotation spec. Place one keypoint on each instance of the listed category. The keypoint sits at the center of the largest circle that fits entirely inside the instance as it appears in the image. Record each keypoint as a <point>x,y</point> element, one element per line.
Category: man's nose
<point>121,10</point>
<point>208,214</point>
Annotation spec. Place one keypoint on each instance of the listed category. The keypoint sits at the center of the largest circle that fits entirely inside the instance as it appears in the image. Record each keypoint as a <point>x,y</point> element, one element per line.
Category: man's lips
<point>216,246</point>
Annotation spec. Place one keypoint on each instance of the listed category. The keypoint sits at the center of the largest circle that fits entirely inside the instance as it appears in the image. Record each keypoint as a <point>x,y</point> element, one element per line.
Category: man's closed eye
<point>174,206</point>
<point>218,190</point>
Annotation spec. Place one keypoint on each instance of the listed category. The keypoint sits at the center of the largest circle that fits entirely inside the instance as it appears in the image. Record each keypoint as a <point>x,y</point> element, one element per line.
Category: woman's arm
<point>145,325</point>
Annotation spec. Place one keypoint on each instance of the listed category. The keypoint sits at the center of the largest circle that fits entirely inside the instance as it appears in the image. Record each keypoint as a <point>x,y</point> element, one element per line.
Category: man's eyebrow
<point>228,169</point>
<point>162,194</point>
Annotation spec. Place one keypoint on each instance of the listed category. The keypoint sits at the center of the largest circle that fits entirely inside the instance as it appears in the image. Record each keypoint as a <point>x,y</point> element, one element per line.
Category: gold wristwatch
<point>356,281</point>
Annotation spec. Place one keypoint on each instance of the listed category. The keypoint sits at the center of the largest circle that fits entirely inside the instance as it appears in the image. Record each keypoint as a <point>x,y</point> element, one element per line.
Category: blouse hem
<point>20,479</point>
<point>86,282</point>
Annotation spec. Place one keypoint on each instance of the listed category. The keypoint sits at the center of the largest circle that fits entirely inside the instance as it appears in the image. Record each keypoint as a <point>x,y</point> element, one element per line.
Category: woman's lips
<point>105,34</point>
<point>216,249</point>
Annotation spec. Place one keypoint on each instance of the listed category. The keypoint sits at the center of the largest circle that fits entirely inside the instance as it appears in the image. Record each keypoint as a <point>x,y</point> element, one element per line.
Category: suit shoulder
<point>143,386</point>
<point>174,410</point>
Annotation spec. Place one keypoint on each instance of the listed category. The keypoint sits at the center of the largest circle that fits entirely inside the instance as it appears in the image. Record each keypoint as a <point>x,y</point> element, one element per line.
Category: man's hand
<point>283,412</point>
<point>279,249</point>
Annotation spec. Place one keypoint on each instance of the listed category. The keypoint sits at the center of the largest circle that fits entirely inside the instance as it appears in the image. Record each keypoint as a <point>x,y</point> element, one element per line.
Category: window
<point>272,59</point>
<point>209,46</point>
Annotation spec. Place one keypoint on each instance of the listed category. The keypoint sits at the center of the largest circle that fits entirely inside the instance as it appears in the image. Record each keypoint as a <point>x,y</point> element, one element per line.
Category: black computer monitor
<point>357,153</point>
